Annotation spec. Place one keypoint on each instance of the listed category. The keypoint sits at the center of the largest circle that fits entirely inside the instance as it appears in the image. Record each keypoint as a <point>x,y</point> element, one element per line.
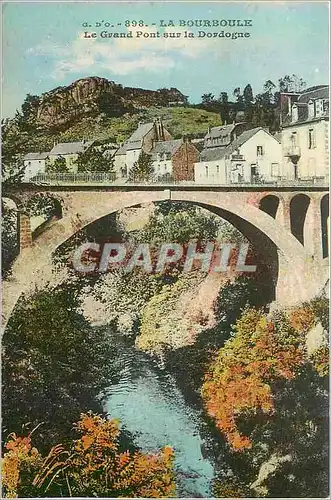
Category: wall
<point>272,153</point>
<point>119,164</point>
<point>70,161</point>
<point>183,162</point>
<point>33,167</point>
<point>131,157</point>
<point>162,167</point>
<point>312,162</point>
<point>215,175</point>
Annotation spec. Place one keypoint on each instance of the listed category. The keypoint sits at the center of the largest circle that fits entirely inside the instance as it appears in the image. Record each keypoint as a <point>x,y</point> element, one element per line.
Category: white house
<point>69,151</point>
<point>254,156</point>
<point>162,154</point>
<point>143,139</point>
<point>305,134</point>
<point>175,159</point>
<point>34,163</point>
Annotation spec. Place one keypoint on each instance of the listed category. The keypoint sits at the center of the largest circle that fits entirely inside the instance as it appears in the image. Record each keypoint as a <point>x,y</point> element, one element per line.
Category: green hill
<point>180,121</point>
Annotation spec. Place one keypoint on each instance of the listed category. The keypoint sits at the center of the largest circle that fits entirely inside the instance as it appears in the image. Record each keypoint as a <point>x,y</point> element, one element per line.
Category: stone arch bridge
<point>289,224</point>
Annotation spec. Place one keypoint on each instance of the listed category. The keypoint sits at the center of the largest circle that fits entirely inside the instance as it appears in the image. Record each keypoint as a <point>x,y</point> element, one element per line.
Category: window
<point>259,151</point>
<point>319,107</point>
<point>206,171</point>
<point>295,114</point>
<point>311,138</point>
<point>275,169</point>
<point>311,109</point>
<point>325,107</point>
<point>293,139</point>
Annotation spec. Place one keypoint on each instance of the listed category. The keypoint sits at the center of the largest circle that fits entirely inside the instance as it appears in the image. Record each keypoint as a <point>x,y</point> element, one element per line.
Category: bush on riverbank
<point>91,466</point>
<point>54,365</point>
<point>268,396</point>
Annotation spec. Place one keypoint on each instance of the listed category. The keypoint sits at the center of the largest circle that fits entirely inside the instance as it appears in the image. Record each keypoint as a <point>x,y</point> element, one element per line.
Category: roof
<point>211,154</point>
<point>169,147</point>
<point>136,139</point>
<point>278,136</point>
<point>319,93</point>
<point>216,132</point>
<point>244,137</point>
<point>141,131</point>
<point>36,156</point>
<point>67,148</point>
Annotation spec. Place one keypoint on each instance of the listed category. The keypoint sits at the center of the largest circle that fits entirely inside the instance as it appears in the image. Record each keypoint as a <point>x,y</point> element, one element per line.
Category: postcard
<point>165,249</point>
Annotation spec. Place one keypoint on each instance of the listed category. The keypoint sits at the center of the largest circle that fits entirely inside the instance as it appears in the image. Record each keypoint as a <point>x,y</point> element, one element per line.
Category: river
<point>148,403</point>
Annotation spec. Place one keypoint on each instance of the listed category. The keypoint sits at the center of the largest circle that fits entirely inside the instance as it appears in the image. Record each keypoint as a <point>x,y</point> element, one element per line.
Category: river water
<point>148,403</point>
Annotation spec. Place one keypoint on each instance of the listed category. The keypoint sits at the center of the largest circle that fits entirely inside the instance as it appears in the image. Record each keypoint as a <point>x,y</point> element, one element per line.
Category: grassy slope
<point>179,121</point>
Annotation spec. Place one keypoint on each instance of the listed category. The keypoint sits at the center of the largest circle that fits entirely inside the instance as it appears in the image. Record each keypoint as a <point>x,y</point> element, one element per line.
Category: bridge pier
<point>312,230</point>
<point>25,233</point>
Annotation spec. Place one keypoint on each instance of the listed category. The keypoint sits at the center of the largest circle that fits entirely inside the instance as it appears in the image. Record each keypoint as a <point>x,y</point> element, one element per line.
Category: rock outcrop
<point>93,96</point>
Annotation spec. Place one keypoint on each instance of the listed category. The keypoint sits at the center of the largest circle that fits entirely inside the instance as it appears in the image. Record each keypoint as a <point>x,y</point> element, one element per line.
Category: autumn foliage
<point>261,351</point>
<point>92,465</point>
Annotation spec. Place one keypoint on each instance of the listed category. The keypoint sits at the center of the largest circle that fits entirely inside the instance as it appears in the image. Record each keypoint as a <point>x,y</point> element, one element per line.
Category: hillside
<point>179,121</point>
<point>98,109</point>
<point>92,96</point>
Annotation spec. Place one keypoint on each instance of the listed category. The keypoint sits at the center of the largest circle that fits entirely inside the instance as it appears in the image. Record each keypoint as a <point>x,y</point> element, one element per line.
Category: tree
<point>237,95</point>
<point>44,378</point>
<point>30,107</point>
<point>142,170</point>
<point>93,159</point>
<point>207,100</point>
<point>261,351</point>
<point>224,99</point>
<point>248,95</point>
<point>91,466</point>
<point>291,83</point>
<point>58,166</point>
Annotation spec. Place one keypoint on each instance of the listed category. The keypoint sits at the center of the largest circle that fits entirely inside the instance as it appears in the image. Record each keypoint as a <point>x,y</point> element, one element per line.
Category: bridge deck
<point>185,186</point>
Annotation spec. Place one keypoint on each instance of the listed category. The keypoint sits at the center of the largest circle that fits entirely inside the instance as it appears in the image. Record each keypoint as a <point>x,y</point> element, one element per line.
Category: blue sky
<point>43,47</point>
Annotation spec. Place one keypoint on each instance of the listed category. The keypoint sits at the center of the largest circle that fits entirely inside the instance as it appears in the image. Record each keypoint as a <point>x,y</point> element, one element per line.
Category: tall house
<point>305,134</point>
<point>143,139</point>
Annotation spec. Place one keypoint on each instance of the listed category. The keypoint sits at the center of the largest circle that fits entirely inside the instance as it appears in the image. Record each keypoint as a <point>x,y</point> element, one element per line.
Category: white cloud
<point>122,56</point>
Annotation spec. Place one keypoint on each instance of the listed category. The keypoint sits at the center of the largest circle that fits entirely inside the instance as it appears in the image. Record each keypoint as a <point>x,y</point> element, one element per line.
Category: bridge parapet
<point>109,178</point>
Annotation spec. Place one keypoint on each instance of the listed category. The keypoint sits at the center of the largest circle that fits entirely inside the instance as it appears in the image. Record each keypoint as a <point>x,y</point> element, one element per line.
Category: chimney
<point>209,129</point>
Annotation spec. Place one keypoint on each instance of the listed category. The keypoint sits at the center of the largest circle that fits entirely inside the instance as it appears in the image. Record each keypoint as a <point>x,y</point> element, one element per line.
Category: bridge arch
<point>299,205</point>
<point>84,207</point>
<point>269,204</point>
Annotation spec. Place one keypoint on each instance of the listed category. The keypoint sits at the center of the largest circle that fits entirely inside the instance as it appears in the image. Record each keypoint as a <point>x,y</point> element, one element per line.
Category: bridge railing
<point>111,178</point>
<point>73,178</point>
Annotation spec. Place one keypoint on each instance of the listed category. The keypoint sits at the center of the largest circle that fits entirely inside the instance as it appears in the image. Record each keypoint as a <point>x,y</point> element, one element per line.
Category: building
<point>254,156</point>
<point>69,151</point>
<point>305,134</point>
<point>222,136</point>
<point>174,160</point>
<point>34,163</point>
<point>217,139</point>
<point>143,139</point>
